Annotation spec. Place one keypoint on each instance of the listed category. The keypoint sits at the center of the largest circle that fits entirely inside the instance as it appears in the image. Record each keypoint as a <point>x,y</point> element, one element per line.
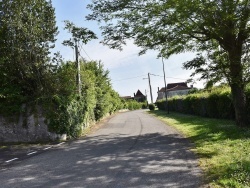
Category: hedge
<point>216,103</point>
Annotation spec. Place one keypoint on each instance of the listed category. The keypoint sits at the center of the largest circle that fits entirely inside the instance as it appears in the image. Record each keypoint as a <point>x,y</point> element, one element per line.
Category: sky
<point>128,70</point>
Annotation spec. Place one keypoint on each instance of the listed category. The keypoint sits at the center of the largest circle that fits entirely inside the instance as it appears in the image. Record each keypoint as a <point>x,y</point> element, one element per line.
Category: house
<point>174,89</point>
<point>138,97</point>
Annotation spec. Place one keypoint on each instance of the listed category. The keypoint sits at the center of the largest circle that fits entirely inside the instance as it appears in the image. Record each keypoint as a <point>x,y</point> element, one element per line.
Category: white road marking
<point>60,143</point>
<point>11,160</point>
<point>32,153</point>
<point>47,148</point>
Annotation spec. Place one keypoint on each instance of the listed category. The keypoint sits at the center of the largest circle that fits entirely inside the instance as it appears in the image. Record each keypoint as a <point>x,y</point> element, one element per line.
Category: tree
<point>213,68</point>
<point>174,26</point>
<point>79,34</point>
<point>27,33</point>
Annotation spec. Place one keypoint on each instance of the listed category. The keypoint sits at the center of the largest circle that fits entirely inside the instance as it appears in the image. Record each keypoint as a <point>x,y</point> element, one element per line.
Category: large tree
<point>175,26</point>
<point>27,33</point>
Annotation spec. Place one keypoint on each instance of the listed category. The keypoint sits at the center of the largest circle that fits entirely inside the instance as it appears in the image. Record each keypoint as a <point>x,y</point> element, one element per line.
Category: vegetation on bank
<point>134,105</point>
<point>215,102</point>
<point>31,75</point>
<point>67,111</point>
<point>222,147</point>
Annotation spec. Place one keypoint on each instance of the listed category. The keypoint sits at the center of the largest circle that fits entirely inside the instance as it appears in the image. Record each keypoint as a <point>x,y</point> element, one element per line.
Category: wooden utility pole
<point>150,88</point>
<point>78,76</point>
<point>166,95</point>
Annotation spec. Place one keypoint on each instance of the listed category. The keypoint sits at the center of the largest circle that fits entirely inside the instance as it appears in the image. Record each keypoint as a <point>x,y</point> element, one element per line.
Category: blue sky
<point>127,69</point>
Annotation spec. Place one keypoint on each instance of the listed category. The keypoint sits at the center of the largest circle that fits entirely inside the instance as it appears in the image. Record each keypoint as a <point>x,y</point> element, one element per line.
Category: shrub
<point>144,105</point>
<point>151,107</point>
<point>216,103</point>
<point>70,113</point>
<point>133,105</point>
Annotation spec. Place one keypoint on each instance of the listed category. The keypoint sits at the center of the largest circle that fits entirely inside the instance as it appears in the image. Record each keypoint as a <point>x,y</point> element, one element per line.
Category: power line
<point>81,48</point>
<point>145,75</point>
<point>168,77</point>
<point>130,78</point>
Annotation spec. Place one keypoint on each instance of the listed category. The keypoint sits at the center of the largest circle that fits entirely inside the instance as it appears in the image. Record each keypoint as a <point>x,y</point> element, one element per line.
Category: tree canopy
<point>175,26</point>
<point>172,26</point>
<point>79,34</point>
<point>27,33</point>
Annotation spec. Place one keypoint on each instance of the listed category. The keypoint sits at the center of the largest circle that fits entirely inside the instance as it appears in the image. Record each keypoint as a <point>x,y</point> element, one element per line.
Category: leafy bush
<point>216,103</point>
<point>145,105</point>
<point>70,113</point>
<point>133,105</point>
<point>151,107</point>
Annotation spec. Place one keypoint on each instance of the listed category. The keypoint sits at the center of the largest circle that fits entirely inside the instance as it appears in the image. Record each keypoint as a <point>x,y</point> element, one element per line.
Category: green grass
<point>222,148</point>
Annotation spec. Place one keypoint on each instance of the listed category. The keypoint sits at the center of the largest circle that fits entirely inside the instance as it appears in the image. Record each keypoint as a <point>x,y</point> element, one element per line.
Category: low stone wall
<point>28,127</point>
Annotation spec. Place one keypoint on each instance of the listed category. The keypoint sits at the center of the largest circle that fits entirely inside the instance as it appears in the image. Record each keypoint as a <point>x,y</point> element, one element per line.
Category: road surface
<point>132,149</point>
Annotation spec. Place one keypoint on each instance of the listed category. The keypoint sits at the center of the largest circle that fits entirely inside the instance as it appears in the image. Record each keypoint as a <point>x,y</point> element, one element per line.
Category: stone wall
<point>28,127</point>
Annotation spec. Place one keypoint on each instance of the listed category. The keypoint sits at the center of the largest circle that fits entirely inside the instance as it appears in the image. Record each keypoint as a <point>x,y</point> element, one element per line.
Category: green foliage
<point>69,113</point>
<point>27,33</point>
<point>222,148</point>
<point>29,75</point>
<point>133,105</point>
<point>216,103</point>
<point>66,116</point>
<point>219,29</point>
<point>171,26</point>
<point>214,67</point>
<point>151,107</point>
<point>145,105</point>
<point>11,100</point>
<point>78,34</point>
<point>193,90</point>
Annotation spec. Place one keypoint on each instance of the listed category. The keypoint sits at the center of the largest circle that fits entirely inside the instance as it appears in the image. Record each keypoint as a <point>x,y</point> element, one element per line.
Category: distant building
<point>138,97</point>
<point>127,98</point>
<point>174,89</point>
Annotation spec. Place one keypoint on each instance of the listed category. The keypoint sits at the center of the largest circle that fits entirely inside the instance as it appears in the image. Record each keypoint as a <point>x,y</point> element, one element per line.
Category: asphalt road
<point>132,149</point>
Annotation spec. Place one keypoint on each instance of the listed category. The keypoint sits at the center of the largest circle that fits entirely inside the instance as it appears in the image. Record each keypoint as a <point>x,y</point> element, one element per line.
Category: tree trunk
<point>239,101</point>
<point>237,87</point>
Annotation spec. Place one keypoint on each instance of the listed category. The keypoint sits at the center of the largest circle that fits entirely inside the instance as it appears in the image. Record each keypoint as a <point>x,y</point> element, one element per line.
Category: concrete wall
<point>28,127</point>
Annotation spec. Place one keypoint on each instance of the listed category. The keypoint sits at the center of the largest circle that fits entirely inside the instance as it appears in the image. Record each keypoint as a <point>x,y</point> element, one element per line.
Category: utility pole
<point>149,83</point>
<point>166,95</point>
<point>78,77</point>
<point>150,88</point>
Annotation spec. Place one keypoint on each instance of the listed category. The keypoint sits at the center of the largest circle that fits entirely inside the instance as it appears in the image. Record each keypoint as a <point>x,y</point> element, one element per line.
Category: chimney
<point>158,89</point>
<point>191,86</point>
<point>134,94</point>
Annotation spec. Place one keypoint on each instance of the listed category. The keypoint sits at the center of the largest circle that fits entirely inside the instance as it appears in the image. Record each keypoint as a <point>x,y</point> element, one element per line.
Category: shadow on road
<point>116,160</point>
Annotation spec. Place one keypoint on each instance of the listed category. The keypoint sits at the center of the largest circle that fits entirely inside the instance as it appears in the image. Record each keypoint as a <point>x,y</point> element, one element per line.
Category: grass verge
<point>223,149</point>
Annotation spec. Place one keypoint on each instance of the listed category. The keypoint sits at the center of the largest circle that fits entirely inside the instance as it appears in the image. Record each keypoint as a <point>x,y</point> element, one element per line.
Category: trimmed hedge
<point>215,104</point>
